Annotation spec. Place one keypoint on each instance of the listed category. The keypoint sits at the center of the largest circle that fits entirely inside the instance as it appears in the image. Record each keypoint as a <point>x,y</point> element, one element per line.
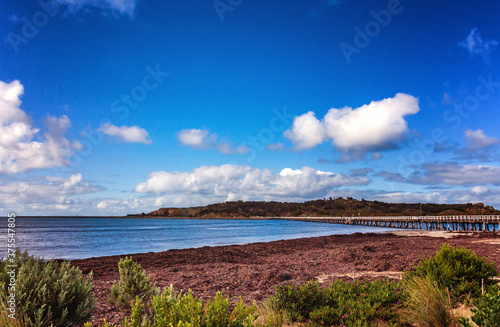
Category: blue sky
<point>124,106</point>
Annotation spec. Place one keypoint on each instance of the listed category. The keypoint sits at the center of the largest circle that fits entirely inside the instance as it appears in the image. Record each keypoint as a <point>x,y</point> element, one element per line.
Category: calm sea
<point>77,238</point>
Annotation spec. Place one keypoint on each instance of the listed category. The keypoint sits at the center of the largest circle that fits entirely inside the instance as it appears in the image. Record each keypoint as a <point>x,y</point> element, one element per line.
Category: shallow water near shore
<point>79,238</point>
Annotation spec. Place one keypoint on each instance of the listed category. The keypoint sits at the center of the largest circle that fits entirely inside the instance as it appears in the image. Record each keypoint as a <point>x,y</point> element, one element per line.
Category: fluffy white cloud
<point>19,151</point>
<point>48,193</point>
<point>373,126</point>
<point>475,45</point>
<point>201,139</point>
<point>131,134</point>
<point>478,140</point>
<point>376,126</point>
<point>306,132</point>
<point>122,7</point>
<point>219,183</point>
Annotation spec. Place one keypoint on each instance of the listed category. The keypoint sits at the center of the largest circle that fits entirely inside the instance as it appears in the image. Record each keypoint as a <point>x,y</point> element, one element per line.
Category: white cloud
<point>473,195</point>
<point>121,7</point>
<point>48,193</point>
<point>409,197</point>
<point>196,138</point>
<point>475,45</point>
<point>19,151</point>
<point>201,139</point>
<point>373,126</point>
<point>219,183</point>
<point>306,132</point>
<point>452,174</point>
<point>132,134</point>
<point>478,140</point>
<point>56,195</point>
<point>376,126</point>
<point>479,190</point>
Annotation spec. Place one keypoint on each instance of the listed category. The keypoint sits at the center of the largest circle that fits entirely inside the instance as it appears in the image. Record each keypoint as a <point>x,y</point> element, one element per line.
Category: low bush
<point>170,310</point>
<point>350,304</point>
<point>298,301</point>
<point>48,293</point>
<point>185,310</point>
<point>458,269</point>
<point>134,282</point>
<point>487,310</point>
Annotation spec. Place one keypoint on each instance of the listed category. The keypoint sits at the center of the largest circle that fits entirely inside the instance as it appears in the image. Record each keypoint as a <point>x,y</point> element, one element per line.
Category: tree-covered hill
<point>346,207</point>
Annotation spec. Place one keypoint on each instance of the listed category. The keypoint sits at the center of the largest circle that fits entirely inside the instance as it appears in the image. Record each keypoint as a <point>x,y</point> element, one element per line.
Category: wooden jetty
<point>450,223</point>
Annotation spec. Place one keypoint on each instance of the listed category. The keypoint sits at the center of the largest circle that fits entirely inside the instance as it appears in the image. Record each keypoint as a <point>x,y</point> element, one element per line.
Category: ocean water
<point>78,238</point>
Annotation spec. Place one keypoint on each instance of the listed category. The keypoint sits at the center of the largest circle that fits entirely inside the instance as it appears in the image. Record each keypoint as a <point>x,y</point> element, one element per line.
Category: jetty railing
<point>452,223</point>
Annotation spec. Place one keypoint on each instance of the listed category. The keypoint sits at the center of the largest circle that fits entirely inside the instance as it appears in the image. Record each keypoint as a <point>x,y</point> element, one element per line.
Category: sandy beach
<point>252,271</point>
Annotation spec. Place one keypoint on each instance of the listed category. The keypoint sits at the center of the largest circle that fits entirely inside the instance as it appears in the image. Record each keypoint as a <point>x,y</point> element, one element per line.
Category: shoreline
<point>253,270</point>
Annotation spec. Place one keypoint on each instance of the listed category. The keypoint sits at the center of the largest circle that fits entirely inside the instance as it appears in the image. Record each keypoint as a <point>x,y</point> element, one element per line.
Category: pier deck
<point>451,223</point>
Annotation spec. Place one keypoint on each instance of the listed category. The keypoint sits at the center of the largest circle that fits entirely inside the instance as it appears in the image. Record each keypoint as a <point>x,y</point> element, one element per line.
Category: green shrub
<point>185,310</point>
<point>487,311</point>
<point>427,303</point>
<point>172,310</point>
<point>134,282</point>
<point>357,304</point>
<point>48,293</point>
<point>460,270</point>
<point>350,304</point>
<point>216,312</point>
<point>298,300</point>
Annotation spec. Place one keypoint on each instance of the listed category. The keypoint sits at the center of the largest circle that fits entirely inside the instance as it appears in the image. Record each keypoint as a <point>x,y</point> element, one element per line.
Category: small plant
<point>48,293</point>
<point>6,321</point>
<point>134,282</point>
<point>487,311</point>
<point>427,304</point>
<point>269,314</point>
<point>460,270</point>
